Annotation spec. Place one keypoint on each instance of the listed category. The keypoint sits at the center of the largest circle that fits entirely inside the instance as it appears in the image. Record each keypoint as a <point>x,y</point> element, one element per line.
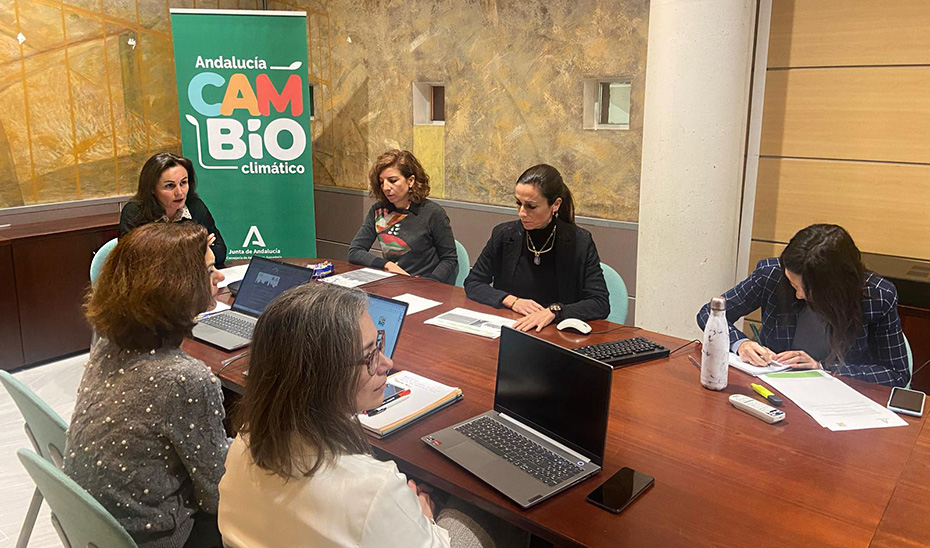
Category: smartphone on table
<point>620,490</point>
<point>909,402</point>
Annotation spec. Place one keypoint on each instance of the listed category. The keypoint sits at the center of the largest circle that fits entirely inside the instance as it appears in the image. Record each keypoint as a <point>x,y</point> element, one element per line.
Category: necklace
<point>537,253</point>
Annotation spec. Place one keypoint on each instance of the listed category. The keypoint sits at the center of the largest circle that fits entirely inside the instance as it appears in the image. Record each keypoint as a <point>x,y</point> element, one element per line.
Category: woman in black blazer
<point>167,192</point>
<point>542,266</point>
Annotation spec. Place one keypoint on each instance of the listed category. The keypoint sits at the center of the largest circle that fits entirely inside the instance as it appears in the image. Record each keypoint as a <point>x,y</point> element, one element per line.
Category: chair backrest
<point>910,359</point>
<point>619,298</point>
<point>96,264</point>
<point>44,426</point>
<point>464,264</point>
<point>82,519</point>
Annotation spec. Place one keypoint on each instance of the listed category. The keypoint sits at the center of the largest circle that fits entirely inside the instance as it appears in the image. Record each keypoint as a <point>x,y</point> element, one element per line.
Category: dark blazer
<point>582,290</point>
<point>131,217</point>
<point>877,355</point>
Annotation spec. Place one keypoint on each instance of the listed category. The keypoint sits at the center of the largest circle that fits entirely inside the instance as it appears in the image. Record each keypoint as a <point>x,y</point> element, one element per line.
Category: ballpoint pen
<point>694,361</point>
<point>228,361</point>
<point>385,406</point>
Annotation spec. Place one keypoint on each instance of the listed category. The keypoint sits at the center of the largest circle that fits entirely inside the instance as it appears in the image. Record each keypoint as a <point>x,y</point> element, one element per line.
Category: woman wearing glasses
<point>301,472</point>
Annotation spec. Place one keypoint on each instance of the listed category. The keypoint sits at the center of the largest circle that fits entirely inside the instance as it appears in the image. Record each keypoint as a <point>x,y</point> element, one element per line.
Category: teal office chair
<point>96,265</point>
<point>45,430</point>
<point>79,519</point>
<point>619,298</point>
<point>910,359</point>
<point>464,264</point>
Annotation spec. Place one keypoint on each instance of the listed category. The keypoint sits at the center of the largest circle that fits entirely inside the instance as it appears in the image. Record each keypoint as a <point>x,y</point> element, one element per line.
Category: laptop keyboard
<point>231,323</point>
<point>519,450</point>
<point>624,352</point>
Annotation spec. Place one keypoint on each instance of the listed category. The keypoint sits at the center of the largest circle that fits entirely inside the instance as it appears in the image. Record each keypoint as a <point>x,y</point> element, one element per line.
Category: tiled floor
<point>57,384</point>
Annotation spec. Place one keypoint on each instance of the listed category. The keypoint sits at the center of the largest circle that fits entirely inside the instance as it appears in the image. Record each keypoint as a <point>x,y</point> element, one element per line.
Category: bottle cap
<point>718,303</point>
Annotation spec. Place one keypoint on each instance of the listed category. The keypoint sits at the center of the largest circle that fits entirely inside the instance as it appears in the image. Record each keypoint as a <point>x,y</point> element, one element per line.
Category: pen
<point>384,407</point>
<point>694,361</point>
<point>767,394</point>
<point>400,394</point>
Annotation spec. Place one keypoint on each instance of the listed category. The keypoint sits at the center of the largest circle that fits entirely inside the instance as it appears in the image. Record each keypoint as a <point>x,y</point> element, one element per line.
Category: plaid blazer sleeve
<point>747,296</point>
<point>885,362</point>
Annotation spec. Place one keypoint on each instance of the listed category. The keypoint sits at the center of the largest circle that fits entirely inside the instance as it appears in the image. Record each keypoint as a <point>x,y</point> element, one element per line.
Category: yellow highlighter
<point>767,394</point>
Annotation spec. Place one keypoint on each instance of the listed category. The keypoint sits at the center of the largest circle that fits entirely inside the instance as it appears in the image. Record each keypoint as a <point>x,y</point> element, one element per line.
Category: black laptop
<point>548,428</point>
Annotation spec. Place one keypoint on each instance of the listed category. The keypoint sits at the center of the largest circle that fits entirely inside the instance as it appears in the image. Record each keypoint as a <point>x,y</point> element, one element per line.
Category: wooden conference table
<point>722,477</point>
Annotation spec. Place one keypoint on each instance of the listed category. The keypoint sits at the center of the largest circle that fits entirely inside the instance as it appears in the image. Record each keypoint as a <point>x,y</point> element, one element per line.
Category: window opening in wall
<point>429,103</point>
<point>312,110</point>
<point>607,103</point>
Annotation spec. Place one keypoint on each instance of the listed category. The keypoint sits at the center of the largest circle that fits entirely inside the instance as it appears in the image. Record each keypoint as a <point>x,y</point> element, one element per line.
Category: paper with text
<point>469,321</point>
<point>831,402</point>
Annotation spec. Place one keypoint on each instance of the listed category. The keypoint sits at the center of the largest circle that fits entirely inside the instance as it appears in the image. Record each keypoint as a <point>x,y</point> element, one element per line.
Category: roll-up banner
<point>243,100</point>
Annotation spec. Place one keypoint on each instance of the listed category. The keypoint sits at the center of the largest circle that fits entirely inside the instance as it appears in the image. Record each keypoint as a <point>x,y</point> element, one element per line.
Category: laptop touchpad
<point>471,456</point>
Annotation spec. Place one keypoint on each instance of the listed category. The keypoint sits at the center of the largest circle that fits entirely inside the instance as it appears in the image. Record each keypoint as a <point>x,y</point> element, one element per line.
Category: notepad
<point>426,397</point>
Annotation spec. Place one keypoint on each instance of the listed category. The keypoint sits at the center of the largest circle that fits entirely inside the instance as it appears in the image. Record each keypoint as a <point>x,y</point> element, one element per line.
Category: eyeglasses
<point>373,359</point>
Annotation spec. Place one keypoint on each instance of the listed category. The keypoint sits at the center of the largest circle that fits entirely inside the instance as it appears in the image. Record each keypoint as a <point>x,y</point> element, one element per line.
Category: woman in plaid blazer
<point>821,309</point>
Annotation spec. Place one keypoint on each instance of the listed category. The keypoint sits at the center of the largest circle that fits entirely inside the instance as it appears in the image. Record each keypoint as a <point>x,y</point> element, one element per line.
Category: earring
<point>556,214</point>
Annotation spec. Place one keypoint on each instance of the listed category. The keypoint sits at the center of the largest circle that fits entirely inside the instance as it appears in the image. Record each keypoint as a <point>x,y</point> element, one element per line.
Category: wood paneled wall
<point>846,125</point>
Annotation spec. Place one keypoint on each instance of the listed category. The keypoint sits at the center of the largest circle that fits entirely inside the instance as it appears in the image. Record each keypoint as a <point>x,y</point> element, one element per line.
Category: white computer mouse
<point>574,324</point>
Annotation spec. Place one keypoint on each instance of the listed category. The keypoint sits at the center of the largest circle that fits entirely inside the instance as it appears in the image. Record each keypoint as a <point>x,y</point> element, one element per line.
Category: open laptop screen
<point>387,314</point>
<point>560,393</point>
<point>264,280</point>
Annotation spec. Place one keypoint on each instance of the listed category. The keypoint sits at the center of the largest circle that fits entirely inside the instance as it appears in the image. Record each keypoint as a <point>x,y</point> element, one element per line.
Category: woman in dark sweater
<point>413,233</point>
<point>146,439</point>
<point>167,192</point>
<point>542,266</point>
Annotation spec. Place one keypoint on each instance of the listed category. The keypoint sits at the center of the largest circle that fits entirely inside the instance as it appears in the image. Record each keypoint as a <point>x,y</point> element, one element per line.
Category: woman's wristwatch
<point>556,309</point>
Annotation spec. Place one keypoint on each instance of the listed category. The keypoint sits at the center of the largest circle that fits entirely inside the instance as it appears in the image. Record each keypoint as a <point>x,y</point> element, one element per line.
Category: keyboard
<point>230,323</point>
<point>624,352</point>
<point>522,452</point>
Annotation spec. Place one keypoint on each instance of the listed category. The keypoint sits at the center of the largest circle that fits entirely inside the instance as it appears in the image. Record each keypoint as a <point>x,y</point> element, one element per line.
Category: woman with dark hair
<point>542,266</point>
<point>821,309</point>
<point>146,439</point>
<point>167,192</point>
<point>413,233</point>
<point>301,472</point>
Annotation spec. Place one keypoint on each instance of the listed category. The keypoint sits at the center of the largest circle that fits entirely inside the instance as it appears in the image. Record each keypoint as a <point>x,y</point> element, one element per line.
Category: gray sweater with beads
<point>147,440</point>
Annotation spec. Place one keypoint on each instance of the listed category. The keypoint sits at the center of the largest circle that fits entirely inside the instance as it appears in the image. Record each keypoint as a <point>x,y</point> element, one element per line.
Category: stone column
<point>695,117</point>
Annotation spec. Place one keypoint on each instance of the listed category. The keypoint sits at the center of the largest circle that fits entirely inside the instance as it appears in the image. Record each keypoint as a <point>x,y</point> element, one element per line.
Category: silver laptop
<point>264,280</point>
<point>548,428</point>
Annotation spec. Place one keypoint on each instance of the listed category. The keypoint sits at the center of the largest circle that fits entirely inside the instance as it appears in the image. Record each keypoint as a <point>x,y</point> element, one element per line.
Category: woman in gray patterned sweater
<point>147,438</point>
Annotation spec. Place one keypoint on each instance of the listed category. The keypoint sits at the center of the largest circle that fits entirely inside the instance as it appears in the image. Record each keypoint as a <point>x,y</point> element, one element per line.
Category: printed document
<point>355,278</point>
<point>831,402</point>
<point>469,321</point>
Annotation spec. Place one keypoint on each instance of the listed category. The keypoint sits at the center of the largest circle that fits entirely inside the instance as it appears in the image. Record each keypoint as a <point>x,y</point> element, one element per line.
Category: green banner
<point>244,104</point>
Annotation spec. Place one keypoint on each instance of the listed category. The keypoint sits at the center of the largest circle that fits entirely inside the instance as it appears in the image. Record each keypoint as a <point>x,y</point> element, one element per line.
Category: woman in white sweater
<point>301,472</point>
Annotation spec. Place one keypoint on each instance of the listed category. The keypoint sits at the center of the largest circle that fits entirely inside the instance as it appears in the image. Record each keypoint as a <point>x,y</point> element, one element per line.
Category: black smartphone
<point>620,490</point>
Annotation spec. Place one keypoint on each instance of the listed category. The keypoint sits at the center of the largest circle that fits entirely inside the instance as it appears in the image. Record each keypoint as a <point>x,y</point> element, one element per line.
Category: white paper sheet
<point>831,402</point>
<point>417,304</point>
<point>358,277</point>
<point>738,363</point>
<point>469,321</point>
<point>233,274</point>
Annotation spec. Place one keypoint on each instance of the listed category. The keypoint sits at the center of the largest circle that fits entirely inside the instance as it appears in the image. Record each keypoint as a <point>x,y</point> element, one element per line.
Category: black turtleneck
<point>532,281</point>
